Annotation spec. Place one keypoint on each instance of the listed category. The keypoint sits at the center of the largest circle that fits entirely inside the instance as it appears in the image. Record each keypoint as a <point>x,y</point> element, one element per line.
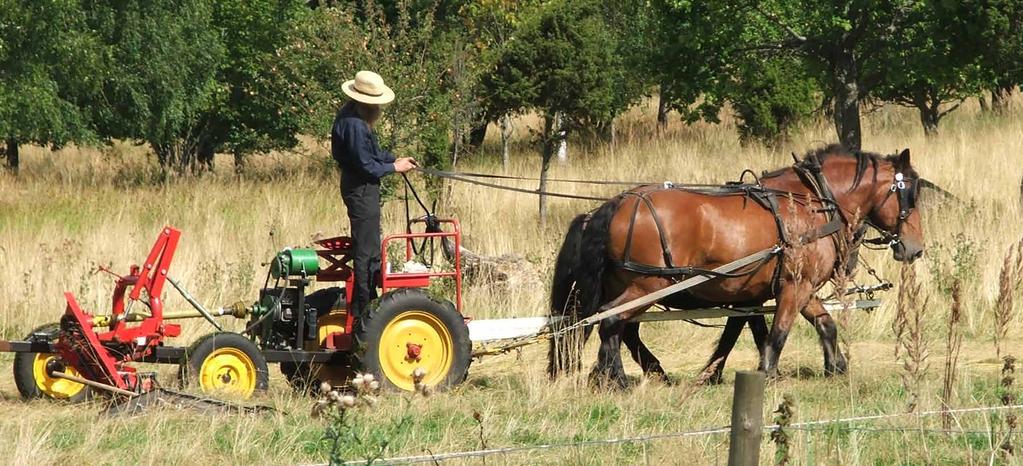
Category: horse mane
<point>863,160</point>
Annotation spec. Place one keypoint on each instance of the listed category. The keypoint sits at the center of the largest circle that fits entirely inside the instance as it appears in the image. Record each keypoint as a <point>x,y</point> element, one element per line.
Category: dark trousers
<point>363,203</point>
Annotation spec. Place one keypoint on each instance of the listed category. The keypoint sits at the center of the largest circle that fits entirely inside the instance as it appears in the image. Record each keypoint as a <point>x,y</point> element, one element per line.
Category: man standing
<point>355,148</point>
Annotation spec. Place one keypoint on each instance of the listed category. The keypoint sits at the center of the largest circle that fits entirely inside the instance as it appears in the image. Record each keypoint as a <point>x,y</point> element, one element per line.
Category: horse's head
<point>894,213</point>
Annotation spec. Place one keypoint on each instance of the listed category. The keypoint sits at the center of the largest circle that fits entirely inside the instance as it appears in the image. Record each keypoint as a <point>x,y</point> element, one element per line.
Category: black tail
<point>576,290</point>
<point>565,269</point>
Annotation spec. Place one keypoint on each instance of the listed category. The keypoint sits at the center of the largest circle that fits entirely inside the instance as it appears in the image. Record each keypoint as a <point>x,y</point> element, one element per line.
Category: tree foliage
<point>48,67</point>
<point>562,64</point>
<point>162,58</point>
<point>192,78</point>
<point>771,96</point>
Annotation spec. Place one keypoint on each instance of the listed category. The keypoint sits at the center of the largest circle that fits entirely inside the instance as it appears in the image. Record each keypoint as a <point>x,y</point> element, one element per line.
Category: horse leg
<point>608,369</point>
<point>834,360</point>
<point>758,327</point>
<point>640,353</point>
<point>712,372</point>
<point>609,358</point>
<point>792,299</point>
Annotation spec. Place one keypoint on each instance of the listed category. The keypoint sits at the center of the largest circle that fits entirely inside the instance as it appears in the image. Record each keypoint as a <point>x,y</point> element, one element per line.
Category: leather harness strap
<point>809,171</point>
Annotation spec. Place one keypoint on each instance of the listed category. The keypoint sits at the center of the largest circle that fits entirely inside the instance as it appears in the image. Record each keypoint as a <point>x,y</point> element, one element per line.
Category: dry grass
<point>75,209</point>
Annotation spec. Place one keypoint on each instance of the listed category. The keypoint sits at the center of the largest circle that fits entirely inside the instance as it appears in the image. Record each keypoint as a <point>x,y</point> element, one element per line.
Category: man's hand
<point>405,164</point>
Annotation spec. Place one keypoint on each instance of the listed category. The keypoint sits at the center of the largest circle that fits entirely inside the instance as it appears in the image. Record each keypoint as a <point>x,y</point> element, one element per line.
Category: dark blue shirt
<point>354,146</point>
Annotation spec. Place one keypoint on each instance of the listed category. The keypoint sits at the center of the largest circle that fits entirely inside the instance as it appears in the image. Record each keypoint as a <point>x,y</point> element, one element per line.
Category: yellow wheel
<point>409,332</point>
<point>52,387</point>
<point>32,373</point>
<point>411,340</point>
<point>226,363</point>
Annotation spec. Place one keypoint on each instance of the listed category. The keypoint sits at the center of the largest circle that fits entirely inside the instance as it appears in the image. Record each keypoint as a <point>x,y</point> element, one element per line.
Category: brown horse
<point>651,237</point>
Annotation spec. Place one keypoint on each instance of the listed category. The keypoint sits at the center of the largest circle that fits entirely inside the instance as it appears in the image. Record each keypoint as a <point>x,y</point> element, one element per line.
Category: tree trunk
<point>239,162</point>
<point>506,132</point>
<point>929,117</point>
<point>662,109</point>
<point>477,135</point>
<point>614,137</point>
<point>551,141</point>
<point>929,109</point>
<point>984,106</point>
<point>204,157</point>
<point>847,100</point>
<point>559,123</point>
<point>13,155</point>
<point>1001,97</point>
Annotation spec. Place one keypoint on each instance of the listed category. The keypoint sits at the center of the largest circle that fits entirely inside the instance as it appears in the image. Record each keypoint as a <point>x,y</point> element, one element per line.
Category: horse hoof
<point>839,368</point>
<point>657,373</point>
<point>608,382</point>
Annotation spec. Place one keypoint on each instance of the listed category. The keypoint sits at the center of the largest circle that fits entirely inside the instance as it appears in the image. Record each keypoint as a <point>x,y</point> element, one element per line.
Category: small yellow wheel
<point>226,363</point>
<point>32,373</point>
<point>409,332</point>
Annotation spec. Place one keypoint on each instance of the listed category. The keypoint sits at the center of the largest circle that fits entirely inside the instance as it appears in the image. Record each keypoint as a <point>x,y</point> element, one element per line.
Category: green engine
<point>285,317</point>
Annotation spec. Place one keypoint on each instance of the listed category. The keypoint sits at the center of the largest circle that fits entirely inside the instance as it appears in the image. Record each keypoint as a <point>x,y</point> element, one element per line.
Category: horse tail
<point>577,273</point>
<point>565,268</point>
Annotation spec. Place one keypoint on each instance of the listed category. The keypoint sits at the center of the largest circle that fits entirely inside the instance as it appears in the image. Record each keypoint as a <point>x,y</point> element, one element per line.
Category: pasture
<point>75,209</point>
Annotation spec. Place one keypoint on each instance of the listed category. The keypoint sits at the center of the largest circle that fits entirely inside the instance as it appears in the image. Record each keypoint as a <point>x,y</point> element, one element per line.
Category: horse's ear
<point>904,158</point>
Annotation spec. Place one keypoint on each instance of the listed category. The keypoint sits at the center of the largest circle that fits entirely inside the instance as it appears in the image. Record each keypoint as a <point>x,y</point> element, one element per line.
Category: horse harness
<point>811,173</point>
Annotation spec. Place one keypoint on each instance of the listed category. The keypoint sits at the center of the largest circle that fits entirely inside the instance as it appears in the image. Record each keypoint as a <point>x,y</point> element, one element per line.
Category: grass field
<point>75,209</point>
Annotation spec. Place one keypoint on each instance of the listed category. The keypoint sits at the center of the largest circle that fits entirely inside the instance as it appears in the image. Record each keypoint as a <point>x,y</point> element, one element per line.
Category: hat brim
<point>386,97</point>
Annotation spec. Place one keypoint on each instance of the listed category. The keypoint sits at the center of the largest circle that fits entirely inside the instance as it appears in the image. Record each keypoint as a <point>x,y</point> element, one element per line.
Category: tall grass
<point>78,208</point>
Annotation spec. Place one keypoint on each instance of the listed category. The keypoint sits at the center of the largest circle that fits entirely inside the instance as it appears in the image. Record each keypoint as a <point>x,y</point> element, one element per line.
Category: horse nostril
<point>918,254</point>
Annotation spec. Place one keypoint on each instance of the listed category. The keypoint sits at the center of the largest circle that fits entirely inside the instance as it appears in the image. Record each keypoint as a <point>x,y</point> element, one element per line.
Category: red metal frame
<point>393,280</point>
<point>109,351</point>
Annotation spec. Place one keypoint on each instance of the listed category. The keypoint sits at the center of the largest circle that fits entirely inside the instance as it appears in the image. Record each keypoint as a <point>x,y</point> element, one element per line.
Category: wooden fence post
<point>747,419</point>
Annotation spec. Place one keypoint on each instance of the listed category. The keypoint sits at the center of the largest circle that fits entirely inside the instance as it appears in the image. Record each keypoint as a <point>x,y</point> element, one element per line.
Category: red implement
<point>102,357</point>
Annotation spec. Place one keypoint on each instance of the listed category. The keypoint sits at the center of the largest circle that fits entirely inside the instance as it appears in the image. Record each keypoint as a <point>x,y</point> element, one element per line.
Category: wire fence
<point>806,425</point>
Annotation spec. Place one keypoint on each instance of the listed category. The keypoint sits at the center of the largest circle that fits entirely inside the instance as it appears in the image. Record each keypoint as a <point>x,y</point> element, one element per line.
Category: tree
<point>562,61</point>
<point>694,44</point>
<point>48,61</point>
<point>927,68</point>
<point>771,95</point>
<point>162,60</point>
<point>840,38</point>
<point>248,115</point>
<point>992,29</point>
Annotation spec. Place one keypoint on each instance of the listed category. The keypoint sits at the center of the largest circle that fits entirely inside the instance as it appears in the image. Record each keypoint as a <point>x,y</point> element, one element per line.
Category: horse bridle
<point>901,188</point>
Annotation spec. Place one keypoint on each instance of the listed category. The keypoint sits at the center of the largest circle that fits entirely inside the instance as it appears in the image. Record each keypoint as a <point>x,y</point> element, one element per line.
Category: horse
<point>807,214</point>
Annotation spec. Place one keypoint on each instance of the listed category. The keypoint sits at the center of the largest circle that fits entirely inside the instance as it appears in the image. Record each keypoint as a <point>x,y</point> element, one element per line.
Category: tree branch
<point>950,110</point>
<point>776,20</point>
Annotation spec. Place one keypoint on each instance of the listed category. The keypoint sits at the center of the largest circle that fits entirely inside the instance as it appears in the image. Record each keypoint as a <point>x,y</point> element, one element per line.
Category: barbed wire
<point>806,426</point>
<point>877,417</point>
<point>524,448</point>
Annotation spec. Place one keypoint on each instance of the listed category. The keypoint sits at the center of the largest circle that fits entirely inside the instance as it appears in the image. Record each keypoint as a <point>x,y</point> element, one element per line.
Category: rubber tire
<point>368,329</point>
<point>195,355</point>
<point>24,375</point>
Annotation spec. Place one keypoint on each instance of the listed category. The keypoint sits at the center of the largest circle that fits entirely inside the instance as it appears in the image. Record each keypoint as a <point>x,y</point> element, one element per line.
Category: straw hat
<point>368,88</point>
